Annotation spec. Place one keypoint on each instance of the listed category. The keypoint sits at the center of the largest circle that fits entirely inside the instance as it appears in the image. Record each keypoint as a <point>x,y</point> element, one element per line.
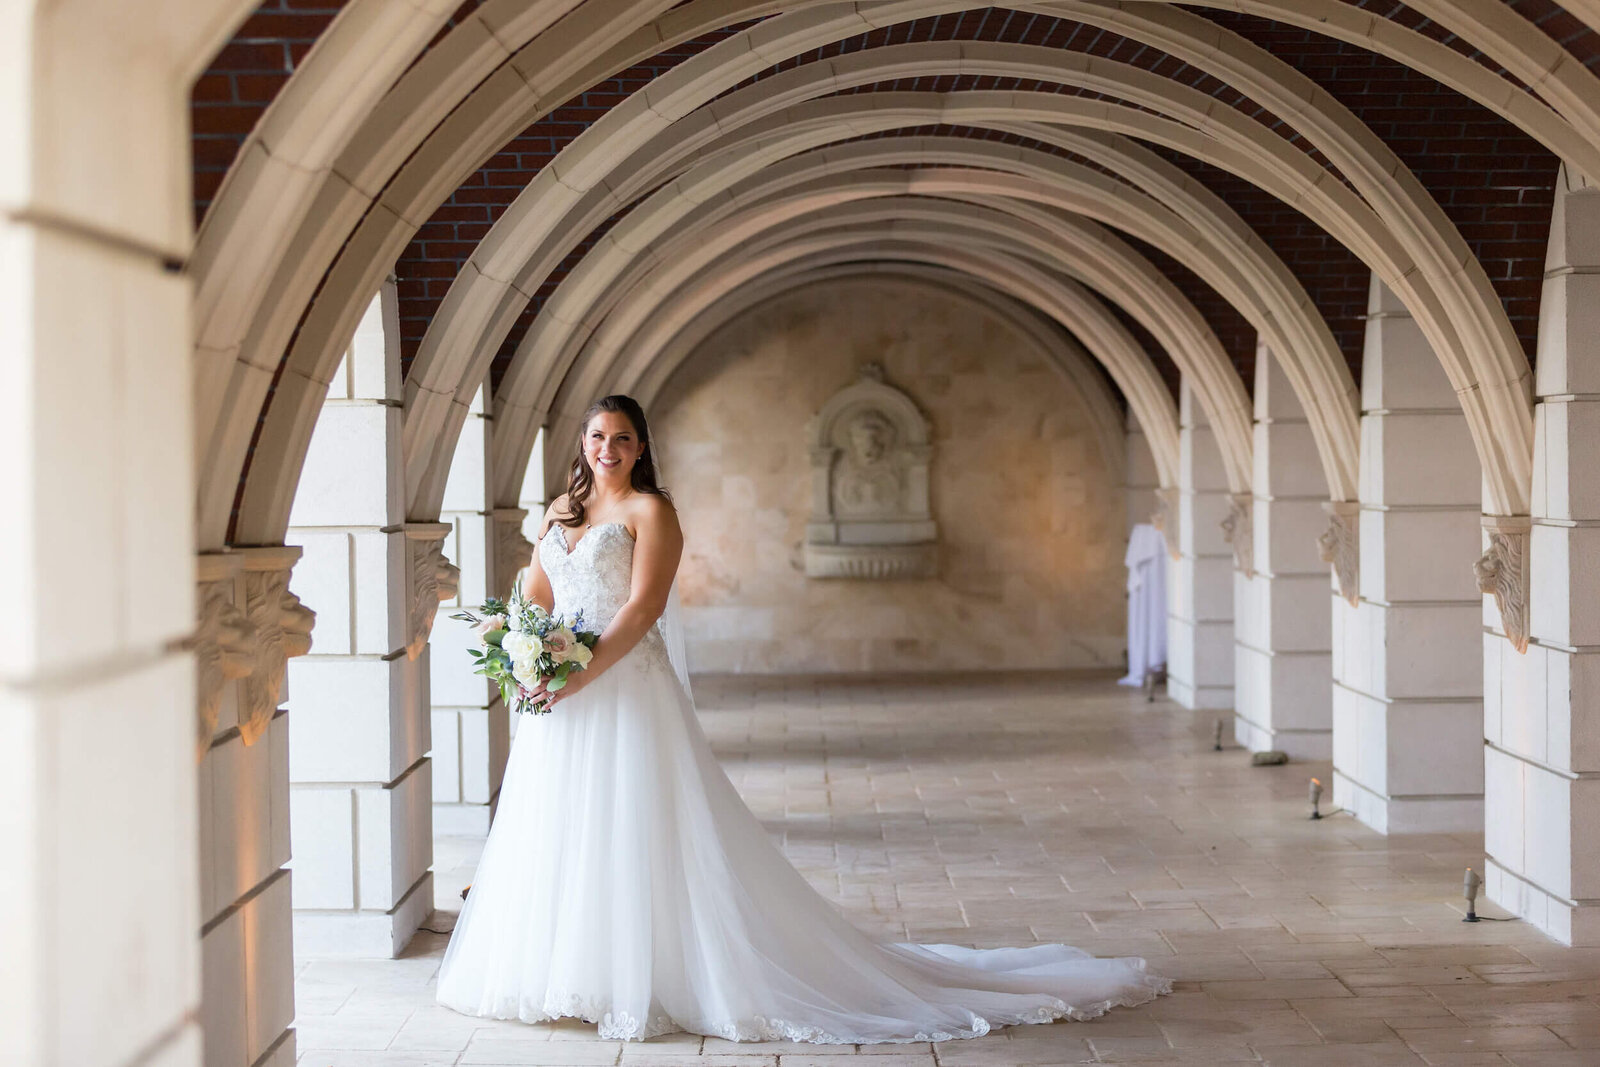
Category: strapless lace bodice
<point>594,578</point>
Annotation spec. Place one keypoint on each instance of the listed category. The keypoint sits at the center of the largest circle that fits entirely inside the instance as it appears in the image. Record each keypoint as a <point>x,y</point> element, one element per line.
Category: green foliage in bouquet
<point>523,645</point>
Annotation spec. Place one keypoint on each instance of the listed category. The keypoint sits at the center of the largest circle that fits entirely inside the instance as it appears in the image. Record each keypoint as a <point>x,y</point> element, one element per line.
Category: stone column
<point>1542,706</point>
<point>470,729</point>
<point>361,778</point>
<point>1407,692</point>
<point>534,498</point>
<point>1281,631</point>
<point>250,625</point>
<point>99,882</point>
<point>1200,580</point>
<point>1139,478</point>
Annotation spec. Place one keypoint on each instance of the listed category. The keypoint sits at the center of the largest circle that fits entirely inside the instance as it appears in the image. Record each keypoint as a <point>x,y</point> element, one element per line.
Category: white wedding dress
<point>624,882</point>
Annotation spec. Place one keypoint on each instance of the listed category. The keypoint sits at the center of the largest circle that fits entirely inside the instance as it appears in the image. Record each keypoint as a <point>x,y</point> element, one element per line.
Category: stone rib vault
<point>303,300</point>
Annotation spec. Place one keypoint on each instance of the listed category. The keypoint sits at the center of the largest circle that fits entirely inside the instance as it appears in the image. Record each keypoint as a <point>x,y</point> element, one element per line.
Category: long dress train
<point>624,882</point>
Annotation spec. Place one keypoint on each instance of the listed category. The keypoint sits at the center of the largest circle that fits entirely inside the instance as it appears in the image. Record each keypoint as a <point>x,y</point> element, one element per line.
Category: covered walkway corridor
<point>302,301</point>
<point>1057,807</point>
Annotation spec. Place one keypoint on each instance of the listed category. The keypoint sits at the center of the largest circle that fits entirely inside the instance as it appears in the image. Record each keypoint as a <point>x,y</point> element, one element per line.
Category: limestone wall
<point>1029,511</point>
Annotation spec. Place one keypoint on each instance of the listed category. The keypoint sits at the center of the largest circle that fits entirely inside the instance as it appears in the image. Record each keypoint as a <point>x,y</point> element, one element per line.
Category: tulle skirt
<point>624,882</point>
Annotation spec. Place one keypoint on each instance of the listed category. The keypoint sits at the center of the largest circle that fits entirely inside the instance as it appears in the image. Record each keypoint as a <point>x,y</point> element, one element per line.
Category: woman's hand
<point>575,682</point>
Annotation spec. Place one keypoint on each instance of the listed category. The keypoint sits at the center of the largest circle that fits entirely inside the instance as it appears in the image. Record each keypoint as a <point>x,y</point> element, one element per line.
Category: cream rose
<point>560,644</point>
<point>488,626</point>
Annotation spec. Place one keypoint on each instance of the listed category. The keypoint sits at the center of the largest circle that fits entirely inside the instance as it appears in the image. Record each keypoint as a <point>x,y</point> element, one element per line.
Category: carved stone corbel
<point>1237,531</point>
<point>1502,571</point>
<point>224,642</point>
<point>512,551</point>
<point>283,629</point>
<point>430,577</point>
<point>1340,545</point>
<point>1165,518</point>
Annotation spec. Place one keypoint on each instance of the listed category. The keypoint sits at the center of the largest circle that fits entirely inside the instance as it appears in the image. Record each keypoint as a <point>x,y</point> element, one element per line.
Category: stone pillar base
<point>1408,815</point>
<point>1193,648</point>
<point>282,1054</point>
<point>1290,689</point>
<point>1199,697</point>
<point>462,820</point>
<point>363,934</point>
<point>1296,744</point>
<point>1575,923</point>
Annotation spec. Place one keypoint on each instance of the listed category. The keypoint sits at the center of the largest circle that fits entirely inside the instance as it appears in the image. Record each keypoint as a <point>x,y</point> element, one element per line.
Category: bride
<point>624,882</point>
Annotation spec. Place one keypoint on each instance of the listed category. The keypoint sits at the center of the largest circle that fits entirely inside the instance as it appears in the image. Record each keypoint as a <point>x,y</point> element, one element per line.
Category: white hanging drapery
<point>1147,602</point>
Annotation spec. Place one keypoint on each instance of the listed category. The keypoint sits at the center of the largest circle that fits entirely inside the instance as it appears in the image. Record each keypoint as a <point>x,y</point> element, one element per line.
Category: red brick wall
<point>434,256</point>
<point>226,101</point>
<point>1493,181</point>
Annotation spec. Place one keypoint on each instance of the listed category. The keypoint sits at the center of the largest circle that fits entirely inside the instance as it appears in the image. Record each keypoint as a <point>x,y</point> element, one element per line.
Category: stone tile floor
<point>1057,807</point>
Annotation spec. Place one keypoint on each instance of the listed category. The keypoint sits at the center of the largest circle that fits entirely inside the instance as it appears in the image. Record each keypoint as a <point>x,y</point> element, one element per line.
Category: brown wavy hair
<point>580,481</point>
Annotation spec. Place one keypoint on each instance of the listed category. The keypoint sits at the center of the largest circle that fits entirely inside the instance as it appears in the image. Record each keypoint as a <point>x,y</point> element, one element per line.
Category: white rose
<point>520,646</point>
<point>526,673</point>
<point>580,655</point>
<point>524,650</point>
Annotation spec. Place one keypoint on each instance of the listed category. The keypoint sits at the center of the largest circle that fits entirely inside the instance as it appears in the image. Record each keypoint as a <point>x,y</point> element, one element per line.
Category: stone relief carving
<point>432,578</point>
<point>512,550</point>
<point>1340,545</point>
<point>1502,571</point>
<point>224,644</point>
<point>282,630</point>
<point>870,514</point>
<point>1237,531</point>
<point>1165,519</point>
<point>864,485</point>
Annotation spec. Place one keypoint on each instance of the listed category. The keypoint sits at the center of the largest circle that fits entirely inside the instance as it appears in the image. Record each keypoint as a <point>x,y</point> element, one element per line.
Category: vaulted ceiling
<point>525,172</point>
<point>1494,181</point>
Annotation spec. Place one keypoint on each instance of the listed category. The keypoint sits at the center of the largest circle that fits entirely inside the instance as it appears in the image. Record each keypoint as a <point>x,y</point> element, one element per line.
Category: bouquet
<point>522,645</point>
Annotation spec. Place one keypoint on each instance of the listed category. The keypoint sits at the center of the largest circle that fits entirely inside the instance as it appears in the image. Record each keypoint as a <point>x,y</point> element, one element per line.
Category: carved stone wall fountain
<point>870,517</point>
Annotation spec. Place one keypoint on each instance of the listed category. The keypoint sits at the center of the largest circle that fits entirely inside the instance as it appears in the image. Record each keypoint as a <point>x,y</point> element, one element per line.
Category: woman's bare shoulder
<point>654,511</point>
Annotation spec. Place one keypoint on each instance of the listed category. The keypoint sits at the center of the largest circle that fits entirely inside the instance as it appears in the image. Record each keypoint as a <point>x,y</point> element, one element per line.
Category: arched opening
<point>200,211</point>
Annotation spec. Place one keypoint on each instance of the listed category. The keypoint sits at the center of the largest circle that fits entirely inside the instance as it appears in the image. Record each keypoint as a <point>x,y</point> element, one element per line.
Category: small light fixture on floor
<point>1470,885</point>
<point>1316,798</point>
<point>1216,737</point>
